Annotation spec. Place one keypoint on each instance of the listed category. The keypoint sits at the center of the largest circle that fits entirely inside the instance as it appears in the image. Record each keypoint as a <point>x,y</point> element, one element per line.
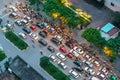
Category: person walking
<point>41,52</point>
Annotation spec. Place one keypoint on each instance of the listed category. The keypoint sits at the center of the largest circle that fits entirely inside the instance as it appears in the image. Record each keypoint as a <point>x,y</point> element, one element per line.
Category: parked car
<point>18,22</point>
<point>13,15</point>
<point>89,63</point>
<point>62,65</point>
<point>63,49</point>
<point>89,70</point>
<point>23,21</point>
<point>39,25</point>
<point>27,30</point>
<point>69,44</point>
<point>52,58</point>
<point>43,42</point>
<point>27,18</point>
<point>51,30</point>
<point>54,40</point>
<point>78,50</point>
<point>13,8</point>
<point>46,31</point>
<point>76,54</point>
<point>78,62</point>
<point>59,38</point>
<point>73,73</point>
<point>34,36</point>
<point>43,34</point>
<point>71,56</point>
<point>61,56</point>
<point>34,28</point>
<point>50,48</point>
<point>23,35</point>
<point>79,69</point>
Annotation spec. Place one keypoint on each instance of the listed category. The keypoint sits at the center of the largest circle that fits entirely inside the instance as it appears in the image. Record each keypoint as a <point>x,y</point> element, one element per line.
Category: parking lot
<point>52,41</point>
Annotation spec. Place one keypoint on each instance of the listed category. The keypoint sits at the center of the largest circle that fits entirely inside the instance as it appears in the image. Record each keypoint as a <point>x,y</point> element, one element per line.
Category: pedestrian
<point>41,52</point>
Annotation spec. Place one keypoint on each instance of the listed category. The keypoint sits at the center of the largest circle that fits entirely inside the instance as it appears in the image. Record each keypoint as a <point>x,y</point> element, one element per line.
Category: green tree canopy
<point>116,19</point>
<point>44,61</point>
<point>32,2</point>
<point>91,35</point>
<point>2,55</point>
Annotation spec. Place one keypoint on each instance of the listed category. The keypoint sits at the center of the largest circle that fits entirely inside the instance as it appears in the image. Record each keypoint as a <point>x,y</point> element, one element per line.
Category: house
<point>109,31</point>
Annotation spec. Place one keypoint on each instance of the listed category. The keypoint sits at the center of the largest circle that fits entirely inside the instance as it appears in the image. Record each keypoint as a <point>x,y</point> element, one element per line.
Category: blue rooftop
<point>107,27</point>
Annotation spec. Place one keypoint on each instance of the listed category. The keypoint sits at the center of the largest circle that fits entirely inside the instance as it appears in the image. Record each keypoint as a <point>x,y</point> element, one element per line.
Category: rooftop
<point>24,71</point>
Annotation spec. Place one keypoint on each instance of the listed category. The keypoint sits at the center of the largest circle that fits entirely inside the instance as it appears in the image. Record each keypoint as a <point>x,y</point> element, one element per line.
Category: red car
<point>46,31</point>
<point>62,49</point>
<point>34,28</point>
<point>71,56</point>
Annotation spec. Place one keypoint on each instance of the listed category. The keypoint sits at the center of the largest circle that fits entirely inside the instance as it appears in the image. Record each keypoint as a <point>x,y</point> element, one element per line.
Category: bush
<point>53,70</point>
<point>16,40</point>
<point>2,55</point>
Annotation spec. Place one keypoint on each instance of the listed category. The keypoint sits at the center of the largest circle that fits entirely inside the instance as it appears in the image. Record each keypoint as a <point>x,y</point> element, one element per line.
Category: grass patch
<point>52,69</point>
<point>16,40</point>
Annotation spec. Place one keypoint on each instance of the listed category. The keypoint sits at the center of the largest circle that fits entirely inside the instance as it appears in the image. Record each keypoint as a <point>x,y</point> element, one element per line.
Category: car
<point>23,35</point>
<point>52,58</point>
<point>73,73</point>
<point>13,8</point>
<point>63,49</point>
<point>18,22</point>
<point>89,70</point>
<point>77,62</point>
<point>69,44</point>
<point>46,31</point>
<point>50,48</point>
<point>62,65</point>
<point>54,40</point>
<point>89,63</point>
<point>79,69</point>
<point>52,30</point>
<point>43,42</point>
<point>23,21</point>
<point>34,36</point>
<point>97,63</point>
<point>61,56</point>
<point>0,20</point>
<point>27,30</point>
<point>27,18</point>
<point>43,34</point>
<point>39,25</point>
<point>71,56</point>
<point>13,15</point>
<point>76,54</point>
<point>34,28</point>
<point>59,38</point>
<point>45,24</point>
<point>78,50</point>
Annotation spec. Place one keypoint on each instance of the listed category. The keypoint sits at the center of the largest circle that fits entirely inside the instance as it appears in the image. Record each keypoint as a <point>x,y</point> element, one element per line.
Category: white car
<point>89,64</point>
<point>63,65</point>
<point>34,36</point>
<point>89,70</point>
<point>76,54</point>
<point>59,38</point>
<point>74,73</point>
<point>23,35</point>
<point>13,8</point>
<point>53,58</point>
<point>78,50</point>
<point>61,56</point>
<point>18,22</point>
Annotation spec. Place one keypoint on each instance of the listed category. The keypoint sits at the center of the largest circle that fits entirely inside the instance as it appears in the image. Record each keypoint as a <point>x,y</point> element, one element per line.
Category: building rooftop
<point>107,27</point>
<point>23,70</point>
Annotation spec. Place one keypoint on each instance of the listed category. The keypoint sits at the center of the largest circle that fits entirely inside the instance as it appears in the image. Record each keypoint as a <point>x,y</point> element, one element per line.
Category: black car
<point>43,42</point>
<point>27,30</point>
<point>69,44</point>
<point>79,69</point>
<point>43,34</point>
<point>50,48</point>
<point>78,62</point>
<point>40,25</point>
<point>0,20</point>
<point>54,40</point>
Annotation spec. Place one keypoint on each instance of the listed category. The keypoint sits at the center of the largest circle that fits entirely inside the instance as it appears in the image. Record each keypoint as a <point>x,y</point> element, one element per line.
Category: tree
<point>116,19</point>
<point>32,2</point>
<point>91,35</point>
<point>44,61</point>
<point>2,55</point>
